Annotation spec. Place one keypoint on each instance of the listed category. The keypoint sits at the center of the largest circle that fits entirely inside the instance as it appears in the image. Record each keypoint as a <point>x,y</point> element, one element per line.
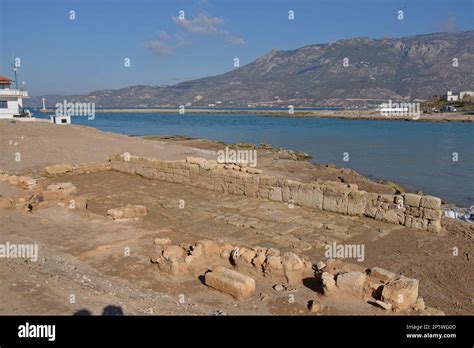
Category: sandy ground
<point>42,143</point>
<point>82,253</point>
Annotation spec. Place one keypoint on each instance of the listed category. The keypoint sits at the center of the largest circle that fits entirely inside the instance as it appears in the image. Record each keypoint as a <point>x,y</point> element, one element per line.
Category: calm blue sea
<point>417,155</point>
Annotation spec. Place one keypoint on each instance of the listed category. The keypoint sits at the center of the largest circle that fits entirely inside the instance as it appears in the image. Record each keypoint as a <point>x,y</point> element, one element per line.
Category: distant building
<point>464,94</point>
<point>11,100</point>
<point>451,97</point>
<point>65,119</point>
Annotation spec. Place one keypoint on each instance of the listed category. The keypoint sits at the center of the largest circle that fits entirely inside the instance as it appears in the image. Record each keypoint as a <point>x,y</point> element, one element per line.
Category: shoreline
<point>180,142</point>
<point>336,114</point>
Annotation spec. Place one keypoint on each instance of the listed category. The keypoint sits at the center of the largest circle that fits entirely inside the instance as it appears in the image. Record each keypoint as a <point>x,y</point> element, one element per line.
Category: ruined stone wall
<point>33,196</point>
<point>420,212</point>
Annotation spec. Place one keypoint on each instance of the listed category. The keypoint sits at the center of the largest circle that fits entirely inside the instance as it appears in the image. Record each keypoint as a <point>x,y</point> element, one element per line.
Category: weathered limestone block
<point>372,205</point>
<point>293,268</point>
<point>263,192</point>
<point>127,212</point>
<point>382,274</point>
<point>310,196</point>
<point>245,257</point>
<point>250,189</point>
<point>197,160</point>
<point>230,282</point>
<point>59,169</point>
<point>335,199</point>
<point>235,189</point>
<point>259,258</point>
<point>123,167</point>
<point>209,247</point>
<point>401,292</point>
<point>357,202</point>
<point>434,226</point>
<point>394,216</point>
<point>329,283</point>
<point>352,283</point>
<point>273,265</point>
<point>417,223</point>
<point>290,190</point>
<point>430,202</point>
<point>78,203</point>
<point>161,241</point>
<point>432,214</point>
<point>173,253</point>
<point>415,212</point>
<point>275,194</point>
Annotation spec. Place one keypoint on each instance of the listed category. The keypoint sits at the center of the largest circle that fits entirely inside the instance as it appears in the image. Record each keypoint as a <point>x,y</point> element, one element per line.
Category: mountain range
<point>344,72</point>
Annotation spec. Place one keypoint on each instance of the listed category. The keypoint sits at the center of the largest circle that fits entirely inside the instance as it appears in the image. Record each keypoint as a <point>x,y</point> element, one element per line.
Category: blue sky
<point>64,56</point>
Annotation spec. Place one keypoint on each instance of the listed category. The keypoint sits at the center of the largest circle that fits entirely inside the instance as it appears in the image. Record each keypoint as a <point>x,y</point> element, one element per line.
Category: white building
<point>463,94</point>
<point>451,97</point>
<point>66,119</point>
<point>11,100</point>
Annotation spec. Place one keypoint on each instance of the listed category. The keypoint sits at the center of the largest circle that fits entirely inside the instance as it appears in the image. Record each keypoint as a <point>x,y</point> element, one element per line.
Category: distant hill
<point>379,69</point>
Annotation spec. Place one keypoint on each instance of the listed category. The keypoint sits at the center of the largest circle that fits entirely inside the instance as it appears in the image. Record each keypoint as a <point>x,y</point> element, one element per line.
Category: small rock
<point>161,241</point>
<point>278,287</point>
<point>384,305</point>
<point>314,306</point>
<point>320,265</point>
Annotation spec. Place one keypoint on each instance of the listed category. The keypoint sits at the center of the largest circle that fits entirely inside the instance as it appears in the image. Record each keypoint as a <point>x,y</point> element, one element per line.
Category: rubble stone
<point>401,292</point>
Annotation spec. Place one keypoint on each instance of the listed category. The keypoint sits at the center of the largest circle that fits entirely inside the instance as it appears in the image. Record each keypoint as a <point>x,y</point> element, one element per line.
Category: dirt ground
<point>90,264</point>
<point>83,253</point>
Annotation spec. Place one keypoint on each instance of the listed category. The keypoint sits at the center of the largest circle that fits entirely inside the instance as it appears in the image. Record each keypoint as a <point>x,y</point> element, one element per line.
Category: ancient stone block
<point>273,265</point>
<point>59,169</point>
<point>127,212</point>
<point>434,226</point>
<point>275,194</point>
<point>290,191</point>
<point>310,196</point>
<point>357,202</point>
<point>78,203</point>
<point>293,268</point>
<point>382,274</point>
<point>210,248</point>
<point>430,202</point>
<point>352,283</point>
<point>401,292</point>
<point>173,253</point>
<point>329,283</point>
<point>335,199</point>
<point>230,282</point>
<point>432,214</point>
<point>411,200</point>
<point>415,212</point>
<point>250,189</point>
<point>394,216</point>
